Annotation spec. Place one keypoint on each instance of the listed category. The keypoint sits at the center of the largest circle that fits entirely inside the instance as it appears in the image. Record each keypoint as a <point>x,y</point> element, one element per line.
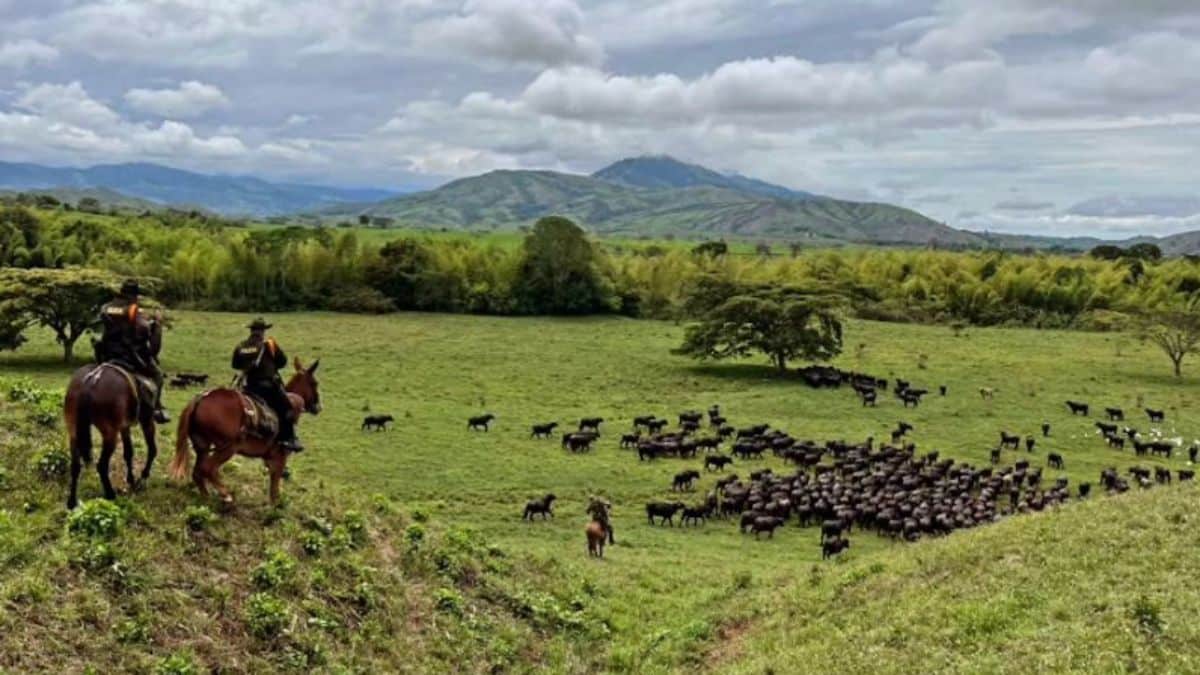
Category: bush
<point>414,535</point>
<point>96,519</point>
<point>360,300</point>
<point>356,526</point>
<point>266,615</point>
<point>199,518</point>
<point>51,463</point>
<point>312,543</point>
<point>448,600</point>
<point>96,556</point>
<point>179,663</point>
<point>275,571</point>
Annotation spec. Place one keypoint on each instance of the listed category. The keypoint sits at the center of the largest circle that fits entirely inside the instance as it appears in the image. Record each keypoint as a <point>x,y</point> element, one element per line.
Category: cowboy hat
<point>259,324</point>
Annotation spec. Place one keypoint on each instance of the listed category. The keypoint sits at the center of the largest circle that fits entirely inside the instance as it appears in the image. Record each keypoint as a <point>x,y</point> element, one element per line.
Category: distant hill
<point>668,172</point>
<point>107,198</point>
<point>227,195</point>
<point>656,197</point>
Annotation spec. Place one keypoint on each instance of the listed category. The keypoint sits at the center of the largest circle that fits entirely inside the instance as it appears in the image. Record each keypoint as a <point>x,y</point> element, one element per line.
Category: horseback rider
<point>259,358</point>
<point>126,340</point>
<point>599,508</point>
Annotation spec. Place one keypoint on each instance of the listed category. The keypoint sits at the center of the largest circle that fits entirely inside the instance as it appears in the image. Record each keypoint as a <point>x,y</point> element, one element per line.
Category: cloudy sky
<point>1057,117</point>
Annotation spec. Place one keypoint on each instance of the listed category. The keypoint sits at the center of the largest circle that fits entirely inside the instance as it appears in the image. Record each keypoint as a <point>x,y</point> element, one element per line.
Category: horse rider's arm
<point>281,360</point>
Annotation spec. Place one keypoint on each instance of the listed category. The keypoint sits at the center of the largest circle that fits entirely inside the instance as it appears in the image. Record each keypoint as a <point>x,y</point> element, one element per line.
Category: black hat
<point>259,324</point>
<point>130,288</point>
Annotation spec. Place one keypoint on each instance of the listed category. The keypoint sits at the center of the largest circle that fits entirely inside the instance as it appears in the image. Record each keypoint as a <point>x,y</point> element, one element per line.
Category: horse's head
<point>305,385</point>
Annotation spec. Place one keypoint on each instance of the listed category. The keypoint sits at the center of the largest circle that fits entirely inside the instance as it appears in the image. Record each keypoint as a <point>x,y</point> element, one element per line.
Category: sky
<point>1051,117</point>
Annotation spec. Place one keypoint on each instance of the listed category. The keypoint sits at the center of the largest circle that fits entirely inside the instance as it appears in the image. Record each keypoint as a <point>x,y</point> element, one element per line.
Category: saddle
<point>143,387</point>
<point>261,421</point>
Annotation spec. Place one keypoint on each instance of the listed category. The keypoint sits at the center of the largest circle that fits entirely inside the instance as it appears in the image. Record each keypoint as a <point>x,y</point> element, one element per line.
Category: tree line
<point>204,262</point>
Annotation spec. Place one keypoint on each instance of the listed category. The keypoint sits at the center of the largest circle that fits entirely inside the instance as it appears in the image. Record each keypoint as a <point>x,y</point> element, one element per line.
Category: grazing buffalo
<point>377,422</point>
<point>766,524</point>
<point>685,480</point>
<point>1045,428</point>
<point>1054,461</point>
<point>1009,441</point>
<point>1115,414</point>
<point>1029,443</point>
<point>1156,415</point>
<point>1078,408</point>
<point>833,547</point>
<point>664,510</point>
<point>540,507</point>
<point>630,440</point>
<point>643,421</point>
<point>543,430</point>
<point>480,422</point>
<point>1106,429</point>
<point>591,424</point>
<point>580,441</point>
<point>717,462</point>
<point>831,529</point>
<point>987,392</point>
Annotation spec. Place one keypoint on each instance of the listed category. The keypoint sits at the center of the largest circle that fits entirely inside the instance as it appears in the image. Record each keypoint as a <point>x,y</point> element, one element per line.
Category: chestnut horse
<point>215,425</point>
<point>596,536</point>
<point>107,396</point>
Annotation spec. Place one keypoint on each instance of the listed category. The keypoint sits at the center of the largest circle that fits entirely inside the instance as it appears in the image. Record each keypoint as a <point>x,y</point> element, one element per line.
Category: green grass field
<point>681,599</point>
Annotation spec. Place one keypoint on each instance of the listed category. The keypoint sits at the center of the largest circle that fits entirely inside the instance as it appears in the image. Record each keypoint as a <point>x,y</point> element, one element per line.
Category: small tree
<point>1175,330</point>
<point>558,271</point>
<point>712,249</point>
<point>65,301</point>
<point>785,324</point>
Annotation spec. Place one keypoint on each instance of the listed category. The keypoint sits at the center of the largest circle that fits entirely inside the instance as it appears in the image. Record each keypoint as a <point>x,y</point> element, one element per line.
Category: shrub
<point>132,632</point>
<point>448,600</point>
<point>275,571</point>
<point>96,519</point>
<point>96,556</point>
<point>356,526</point>
<point>199,518</point>
<point>414,535</point>
<point>51,463</point>
<point>179,663</point>
<point>312,543</point>
<point>266,615</point>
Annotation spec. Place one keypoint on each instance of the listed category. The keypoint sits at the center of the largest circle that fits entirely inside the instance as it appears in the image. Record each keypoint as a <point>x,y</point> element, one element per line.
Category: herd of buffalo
<point>887,488</point>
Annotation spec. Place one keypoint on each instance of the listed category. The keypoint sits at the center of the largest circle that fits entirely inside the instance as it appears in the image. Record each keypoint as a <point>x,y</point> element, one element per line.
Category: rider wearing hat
<point>125,340</point>
<point>259,358</point>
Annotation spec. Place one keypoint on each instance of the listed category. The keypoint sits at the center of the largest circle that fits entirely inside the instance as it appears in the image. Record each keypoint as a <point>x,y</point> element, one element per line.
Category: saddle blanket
<point>261,421</point>
<point>143,387</point>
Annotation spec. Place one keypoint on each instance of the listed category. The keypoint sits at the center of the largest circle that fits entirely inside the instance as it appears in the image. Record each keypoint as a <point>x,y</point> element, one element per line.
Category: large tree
<point>66,301</point>
<point>558,272</point>
<point>783,323</point>
<point>1175,329</point>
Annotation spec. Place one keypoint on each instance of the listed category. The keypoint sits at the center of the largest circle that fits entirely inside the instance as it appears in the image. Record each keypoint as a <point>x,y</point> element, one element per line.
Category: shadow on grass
<point>39,363</point>
<point>744,372</point>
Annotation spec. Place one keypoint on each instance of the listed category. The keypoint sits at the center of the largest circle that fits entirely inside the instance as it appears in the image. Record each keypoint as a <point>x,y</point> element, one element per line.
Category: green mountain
<point>658,197</point>
<point>668,172</point>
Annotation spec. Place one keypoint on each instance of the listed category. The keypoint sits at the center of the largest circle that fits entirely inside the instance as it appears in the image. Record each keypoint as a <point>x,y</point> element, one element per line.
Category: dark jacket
<point>259,360</point>
<point>125,334</point>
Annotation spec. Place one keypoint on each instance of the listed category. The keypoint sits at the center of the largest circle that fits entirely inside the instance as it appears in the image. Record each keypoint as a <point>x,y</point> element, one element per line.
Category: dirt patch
<point>729,644</point>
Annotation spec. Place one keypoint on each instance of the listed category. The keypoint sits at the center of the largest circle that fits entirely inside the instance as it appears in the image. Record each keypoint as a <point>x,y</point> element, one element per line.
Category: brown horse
<point>215,424</point>
<point>596,536</point>
<point>106,396</point>
<point>109,398</point>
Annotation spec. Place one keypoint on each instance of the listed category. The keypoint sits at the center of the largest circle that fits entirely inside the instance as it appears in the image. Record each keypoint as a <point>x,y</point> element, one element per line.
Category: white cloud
<point>189,99</point>
<point>21,54</point>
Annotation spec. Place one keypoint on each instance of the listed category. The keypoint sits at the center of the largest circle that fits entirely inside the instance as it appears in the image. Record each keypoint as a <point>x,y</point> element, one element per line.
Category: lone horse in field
<point>223,422</point>
<point>111,398</point>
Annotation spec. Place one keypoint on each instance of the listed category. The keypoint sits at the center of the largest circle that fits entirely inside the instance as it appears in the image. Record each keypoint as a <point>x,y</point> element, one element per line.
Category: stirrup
<point>162,416</point>
<point>292,445</point>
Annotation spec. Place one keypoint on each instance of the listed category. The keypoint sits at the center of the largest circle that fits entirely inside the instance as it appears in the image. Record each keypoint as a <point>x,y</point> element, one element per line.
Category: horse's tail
<point>83,427</point>
<point>179,463</point>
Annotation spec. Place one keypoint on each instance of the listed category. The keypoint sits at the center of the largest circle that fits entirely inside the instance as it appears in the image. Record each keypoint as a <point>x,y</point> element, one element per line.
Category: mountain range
<point>227,195</point>
<point>651,196</point>
<point>656,196</point>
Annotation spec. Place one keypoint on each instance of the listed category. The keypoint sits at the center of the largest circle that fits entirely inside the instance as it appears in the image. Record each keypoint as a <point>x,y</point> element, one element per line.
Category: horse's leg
<point>127,446</point>
<point>149,431</point>
<point>109,446</point>
<point>198,471</point>
<point>76,467</point>
<point>212,468</point>
<point>276,464</point>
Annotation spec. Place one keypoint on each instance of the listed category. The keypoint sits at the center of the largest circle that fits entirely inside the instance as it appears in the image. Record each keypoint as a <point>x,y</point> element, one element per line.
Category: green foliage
<point>66,301</point>
<point>51,463</point>
<point>448,600</point>
<point>96,519</point>
<point>199,518</point>
<point>277,570</point>
<point>312,543</point>
<point>266,615</point>
<point>558,272</point>
<point>785,324</point>
<point>179,663</point>
<point>1174,329</point>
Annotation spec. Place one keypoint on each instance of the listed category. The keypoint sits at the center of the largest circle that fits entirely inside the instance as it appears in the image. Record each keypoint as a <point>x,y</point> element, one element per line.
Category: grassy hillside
<point>513,198</point>
<point>1100,587</point>
<point>684,599</point>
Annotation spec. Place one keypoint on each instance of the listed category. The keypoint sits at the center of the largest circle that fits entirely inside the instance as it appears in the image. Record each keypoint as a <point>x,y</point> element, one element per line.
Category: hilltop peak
<point>665,171</point>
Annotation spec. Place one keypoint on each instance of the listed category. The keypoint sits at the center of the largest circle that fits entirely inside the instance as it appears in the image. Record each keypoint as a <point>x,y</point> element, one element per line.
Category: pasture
<point>671,596</point>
